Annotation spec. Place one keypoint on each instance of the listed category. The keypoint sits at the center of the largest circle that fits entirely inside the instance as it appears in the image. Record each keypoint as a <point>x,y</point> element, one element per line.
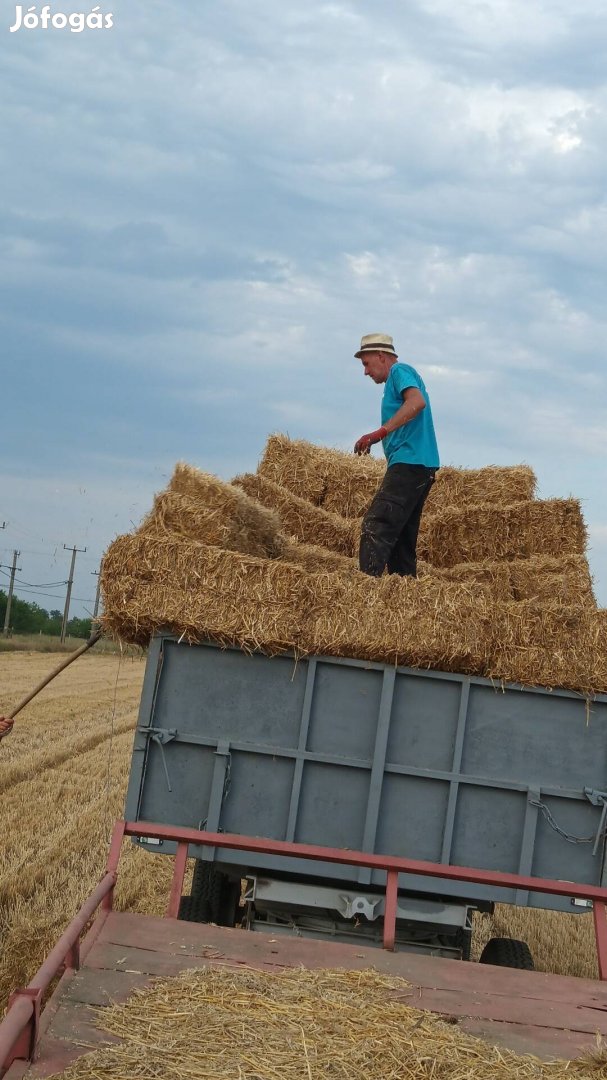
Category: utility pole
<point>66,610</point>
<point>9,601</point>
<point>97,574</point>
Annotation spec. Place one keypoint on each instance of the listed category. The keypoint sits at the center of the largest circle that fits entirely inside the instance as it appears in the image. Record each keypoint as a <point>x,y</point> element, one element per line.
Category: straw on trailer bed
<point>308,524</point>
<point>204,508</point>
<point>564,579</point>
<point>345,484</point>
<point>552,527</point>
<point>297,1025</point>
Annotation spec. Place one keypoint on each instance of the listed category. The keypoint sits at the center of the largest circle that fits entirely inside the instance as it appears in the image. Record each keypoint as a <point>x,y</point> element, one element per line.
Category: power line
<point>33,584</point>
<point>55,596</point>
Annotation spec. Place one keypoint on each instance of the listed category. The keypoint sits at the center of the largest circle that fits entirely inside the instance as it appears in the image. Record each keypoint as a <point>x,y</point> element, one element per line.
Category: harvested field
<point>202,507</point>
<point>57,809</point>
<point>307,523</point>
<point>62,782</point>
<point>549,527</point>
<point>345,484</point>
<point>296,1024</point>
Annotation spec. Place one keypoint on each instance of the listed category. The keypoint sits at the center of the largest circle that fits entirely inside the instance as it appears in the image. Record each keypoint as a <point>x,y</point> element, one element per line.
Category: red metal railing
<point>19,1029</point>
<point>392,865</point>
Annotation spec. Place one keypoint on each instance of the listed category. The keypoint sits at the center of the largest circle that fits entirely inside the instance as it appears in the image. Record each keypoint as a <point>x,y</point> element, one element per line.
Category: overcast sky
<point>205,206</point>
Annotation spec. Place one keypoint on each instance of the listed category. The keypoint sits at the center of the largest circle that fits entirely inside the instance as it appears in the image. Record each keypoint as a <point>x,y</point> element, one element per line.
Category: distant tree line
<point>32,619</point>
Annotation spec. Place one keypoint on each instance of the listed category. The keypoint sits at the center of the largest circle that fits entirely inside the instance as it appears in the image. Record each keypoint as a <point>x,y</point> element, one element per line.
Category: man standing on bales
<point>391,524</point>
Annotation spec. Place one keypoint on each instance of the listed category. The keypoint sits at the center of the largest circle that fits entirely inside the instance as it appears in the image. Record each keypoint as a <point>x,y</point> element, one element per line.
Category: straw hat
<point>376,343</point>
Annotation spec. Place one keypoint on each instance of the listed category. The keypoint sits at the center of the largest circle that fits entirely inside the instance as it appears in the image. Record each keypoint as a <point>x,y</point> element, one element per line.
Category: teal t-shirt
<point>413,443</point>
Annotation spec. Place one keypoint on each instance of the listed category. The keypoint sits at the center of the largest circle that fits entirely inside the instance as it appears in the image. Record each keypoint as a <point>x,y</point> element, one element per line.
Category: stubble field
<point>63,775</point>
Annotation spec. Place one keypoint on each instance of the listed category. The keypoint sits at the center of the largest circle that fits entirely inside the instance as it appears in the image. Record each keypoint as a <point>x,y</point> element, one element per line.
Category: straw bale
<point>149,583</point>
<point>315,558</point>
<point>424,622</point>
<point>308,524</point>
<point>499,484</point>
<point>550,645</point>
<point>345,484</point>
<point>552,527</point>
<point>199,592</point>
<point>565,580</point>
<point>332,479</point>
<point>204,508</point>
<point>296,1024</point>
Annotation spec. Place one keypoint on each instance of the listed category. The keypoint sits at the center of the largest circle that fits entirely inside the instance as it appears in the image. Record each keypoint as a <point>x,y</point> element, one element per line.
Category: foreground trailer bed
<point>528,1012</point>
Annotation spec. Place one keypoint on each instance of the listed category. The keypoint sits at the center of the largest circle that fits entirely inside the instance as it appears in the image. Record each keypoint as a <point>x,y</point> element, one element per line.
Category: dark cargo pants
<point>390,526</point>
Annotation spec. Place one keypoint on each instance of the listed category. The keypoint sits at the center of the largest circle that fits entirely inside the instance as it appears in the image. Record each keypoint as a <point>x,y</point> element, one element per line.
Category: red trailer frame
<point>19,1028</point>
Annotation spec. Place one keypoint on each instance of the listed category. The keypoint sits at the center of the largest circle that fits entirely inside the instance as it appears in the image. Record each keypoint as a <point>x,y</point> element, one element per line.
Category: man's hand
<point>6,726</point>
<point>364,444</point>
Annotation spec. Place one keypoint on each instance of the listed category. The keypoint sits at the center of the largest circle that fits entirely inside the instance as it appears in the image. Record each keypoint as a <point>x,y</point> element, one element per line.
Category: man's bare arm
<point>413,403</point>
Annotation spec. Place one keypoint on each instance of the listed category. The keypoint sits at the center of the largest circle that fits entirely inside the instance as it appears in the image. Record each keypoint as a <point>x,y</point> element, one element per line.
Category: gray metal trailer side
<point>348,754</point>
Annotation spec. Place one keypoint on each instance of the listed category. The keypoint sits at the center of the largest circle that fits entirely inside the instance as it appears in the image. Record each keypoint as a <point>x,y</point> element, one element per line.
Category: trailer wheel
<point>185,905</point>
<point>507,952</point>
<point>213,897</point>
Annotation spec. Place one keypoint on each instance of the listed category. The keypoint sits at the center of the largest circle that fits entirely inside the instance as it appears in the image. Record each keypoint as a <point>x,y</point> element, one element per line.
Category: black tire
<point>507,952</point>
<point>185,907</point>
<point>464,942</point>
<point>214,896</point>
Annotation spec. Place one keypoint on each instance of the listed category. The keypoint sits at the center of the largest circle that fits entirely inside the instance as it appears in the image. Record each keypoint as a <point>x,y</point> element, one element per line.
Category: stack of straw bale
<point>198,592</point>
<point>540,578</point>
<point>328,478</point>
<point>549,527</point>
<point>201,506</point>
<point>504,589</point>
<point>346,485</point>
<point>307,523</point>
<point>315,558</point>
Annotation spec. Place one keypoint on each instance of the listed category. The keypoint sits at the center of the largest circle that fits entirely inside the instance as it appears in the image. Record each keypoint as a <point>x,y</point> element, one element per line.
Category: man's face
<point>376,365</point>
